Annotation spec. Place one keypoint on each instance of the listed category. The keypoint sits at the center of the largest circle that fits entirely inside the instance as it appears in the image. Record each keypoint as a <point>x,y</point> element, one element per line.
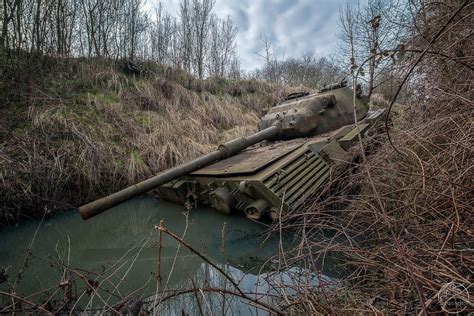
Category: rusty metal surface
<point>250,160</point>
<point>313,133</point>
<point>227,149</point>
<point>299,178</point>
<point>315,114</point>
<point>267,180</point>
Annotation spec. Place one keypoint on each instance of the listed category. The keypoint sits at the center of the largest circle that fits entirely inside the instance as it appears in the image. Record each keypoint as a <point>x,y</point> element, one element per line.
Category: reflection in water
<point>121,246</point>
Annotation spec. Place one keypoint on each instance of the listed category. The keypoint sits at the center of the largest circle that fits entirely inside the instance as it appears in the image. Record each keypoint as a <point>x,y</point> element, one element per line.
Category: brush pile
<point>407,237</point>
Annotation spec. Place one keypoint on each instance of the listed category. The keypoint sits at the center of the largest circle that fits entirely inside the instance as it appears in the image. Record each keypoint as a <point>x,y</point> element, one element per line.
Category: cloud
<point>293,26</point>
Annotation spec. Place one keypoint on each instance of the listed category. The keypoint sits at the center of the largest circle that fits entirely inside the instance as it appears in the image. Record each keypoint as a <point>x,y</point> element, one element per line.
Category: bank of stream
<point>113,259</point>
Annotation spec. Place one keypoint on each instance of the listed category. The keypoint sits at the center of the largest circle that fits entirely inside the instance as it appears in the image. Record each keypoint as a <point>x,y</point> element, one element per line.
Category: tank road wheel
<point>256,209</point>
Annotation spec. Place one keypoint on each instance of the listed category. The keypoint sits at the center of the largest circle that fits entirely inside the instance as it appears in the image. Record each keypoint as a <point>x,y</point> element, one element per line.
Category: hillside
<point>72,130</point>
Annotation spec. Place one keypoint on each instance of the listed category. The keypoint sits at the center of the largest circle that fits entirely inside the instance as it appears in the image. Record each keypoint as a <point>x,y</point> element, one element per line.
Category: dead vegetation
<point>83,129</point>
<point>407,233</point>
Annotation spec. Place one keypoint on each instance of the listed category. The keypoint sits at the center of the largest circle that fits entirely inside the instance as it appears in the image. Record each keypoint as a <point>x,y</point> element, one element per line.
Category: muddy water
<point>118,250</point>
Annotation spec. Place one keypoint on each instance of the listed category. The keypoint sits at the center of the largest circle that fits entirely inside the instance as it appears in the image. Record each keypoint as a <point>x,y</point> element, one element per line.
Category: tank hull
<point>272,178</point>
<point>310,135</point>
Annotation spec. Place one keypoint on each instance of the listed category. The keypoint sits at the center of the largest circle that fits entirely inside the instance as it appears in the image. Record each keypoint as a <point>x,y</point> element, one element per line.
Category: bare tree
<point>368,30</point>
<point>270,69</point>
<point>185,33</point>
<point>221,46</point>
<point>162,32</point>
<point>197,41</point>
<point>8,11</point>
<point>200,17</point>
<point>348,17</point>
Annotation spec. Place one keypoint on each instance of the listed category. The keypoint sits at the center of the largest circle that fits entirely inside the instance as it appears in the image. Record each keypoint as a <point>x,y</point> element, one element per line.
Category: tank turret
<point>305,136</point>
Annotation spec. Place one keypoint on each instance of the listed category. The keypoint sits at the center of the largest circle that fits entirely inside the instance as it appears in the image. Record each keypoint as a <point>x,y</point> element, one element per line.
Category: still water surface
<point>121,246</point>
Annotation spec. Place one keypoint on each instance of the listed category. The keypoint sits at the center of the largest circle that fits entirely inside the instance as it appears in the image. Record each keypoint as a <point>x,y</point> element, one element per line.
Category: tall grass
<point>77,132</point>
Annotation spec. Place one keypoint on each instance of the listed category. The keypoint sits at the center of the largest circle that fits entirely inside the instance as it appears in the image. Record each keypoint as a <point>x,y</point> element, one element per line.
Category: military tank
<point>300,143</point>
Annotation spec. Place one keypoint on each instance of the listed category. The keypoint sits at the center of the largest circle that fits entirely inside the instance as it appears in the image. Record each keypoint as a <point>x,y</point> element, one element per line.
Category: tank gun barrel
<point>295,118</point>
<point>224,151</point>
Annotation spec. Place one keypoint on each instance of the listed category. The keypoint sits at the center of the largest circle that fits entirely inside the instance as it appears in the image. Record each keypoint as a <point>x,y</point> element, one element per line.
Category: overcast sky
<point>293,26</point>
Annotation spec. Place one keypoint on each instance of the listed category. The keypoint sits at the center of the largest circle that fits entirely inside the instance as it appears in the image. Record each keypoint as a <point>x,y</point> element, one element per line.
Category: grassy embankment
<point>74,130</point>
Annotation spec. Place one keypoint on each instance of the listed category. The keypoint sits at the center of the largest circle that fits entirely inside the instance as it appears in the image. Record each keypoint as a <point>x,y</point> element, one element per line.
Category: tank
<point>300,144</point>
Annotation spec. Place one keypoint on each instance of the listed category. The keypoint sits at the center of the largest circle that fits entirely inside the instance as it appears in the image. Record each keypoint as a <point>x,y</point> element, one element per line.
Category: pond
<point>112,260</point>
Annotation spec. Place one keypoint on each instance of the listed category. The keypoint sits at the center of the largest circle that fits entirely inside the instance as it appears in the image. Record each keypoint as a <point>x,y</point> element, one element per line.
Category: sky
<point>292,26</point>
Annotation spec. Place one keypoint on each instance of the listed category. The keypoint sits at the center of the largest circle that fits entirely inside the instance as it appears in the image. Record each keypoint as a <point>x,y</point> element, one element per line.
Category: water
<point>117,253</point>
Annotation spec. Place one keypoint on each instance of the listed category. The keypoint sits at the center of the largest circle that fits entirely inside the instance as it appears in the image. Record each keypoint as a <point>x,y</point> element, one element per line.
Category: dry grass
<point>405,238</point>
<point>408,234</point>
<point>90,129</point>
